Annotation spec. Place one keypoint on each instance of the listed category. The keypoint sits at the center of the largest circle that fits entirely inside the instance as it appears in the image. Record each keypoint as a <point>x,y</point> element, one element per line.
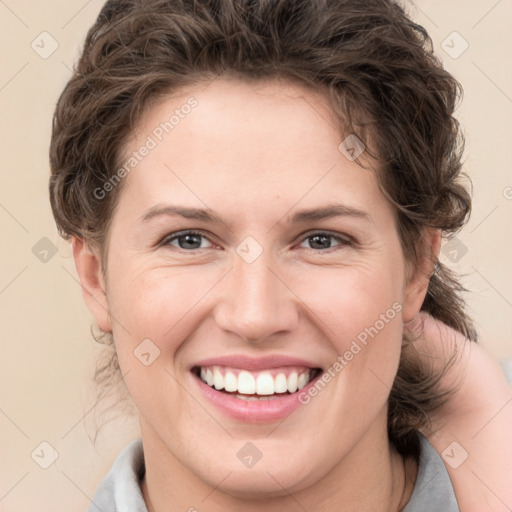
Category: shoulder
<point>120,490</point>
<point>433,490</point>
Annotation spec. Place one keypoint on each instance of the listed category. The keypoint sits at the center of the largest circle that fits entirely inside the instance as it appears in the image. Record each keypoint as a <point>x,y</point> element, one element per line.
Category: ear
<point>88,266</point>
<point>419,275</point>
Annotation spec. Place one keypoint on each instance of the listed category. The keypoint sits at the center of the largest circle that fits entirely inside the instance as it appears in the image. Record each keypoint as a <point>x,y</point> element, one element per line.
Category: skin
<point>255,154</point>
<point>477,417</point>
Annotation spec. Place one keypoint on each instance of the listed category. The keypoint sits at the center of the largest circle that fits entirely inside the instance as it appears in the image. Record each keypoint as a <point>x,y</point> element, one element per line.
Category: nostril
<point>248,340</point>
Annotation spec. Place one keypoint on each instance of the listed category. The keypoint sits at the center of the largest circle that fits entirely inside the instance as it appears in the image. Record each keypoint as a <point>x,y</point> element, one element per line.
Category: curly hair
<point>376,68</point>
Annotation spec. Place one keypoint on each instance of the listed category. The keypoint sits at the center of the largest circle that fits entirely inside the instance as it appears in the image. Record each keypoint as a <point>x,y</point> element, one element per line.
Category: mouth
<point>261,390</point>
<point>261,385</point>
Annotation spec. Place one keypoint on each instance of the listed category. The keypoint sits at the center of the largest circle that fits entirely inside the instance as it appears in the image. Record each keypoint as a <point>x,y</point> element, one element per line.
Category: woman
<point>256,194</point>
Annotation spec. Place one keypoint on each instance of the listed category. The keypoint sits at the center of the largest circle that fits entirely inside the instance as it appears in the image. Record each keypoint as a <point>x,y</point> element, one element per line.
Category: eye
<point>320,241</point>
<point>187,240</point>
<point>192,240</point>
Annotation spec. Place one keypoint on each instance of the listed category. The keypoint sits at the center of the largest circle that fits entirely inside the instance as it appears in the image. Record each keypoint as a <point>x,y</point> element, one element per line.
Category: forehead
<point>247,111</point>
<point>243,143</point>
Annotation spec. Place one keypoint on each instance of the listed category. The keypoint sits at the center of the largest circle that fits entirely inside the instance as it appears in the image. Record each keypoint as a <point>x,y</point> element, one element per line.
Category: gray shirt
<point>120,490</point>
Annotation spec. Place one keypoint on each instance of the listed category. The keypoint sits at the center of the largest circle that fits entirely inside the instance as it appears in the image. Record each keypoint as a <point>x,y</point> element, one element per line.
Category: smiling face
<point>247,249</point>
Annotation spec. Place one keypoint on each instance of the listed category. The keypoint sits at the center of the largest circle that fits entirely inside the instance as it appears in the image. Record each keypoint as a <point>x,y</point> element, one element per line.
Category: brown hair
<point>378,71</point>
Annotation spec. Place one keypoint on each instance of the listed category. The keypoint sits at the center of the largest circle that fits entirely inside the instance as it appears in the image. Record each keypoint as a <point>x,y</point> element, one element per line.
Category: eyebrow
<point>188,213</point>
<point>327,212</point>
<point>301,216</point>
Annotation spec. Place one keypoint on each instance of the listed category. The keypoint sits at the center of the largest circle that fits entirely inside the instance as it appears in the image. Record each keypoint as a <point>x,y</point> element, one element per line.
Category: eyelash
<point>343,241</point>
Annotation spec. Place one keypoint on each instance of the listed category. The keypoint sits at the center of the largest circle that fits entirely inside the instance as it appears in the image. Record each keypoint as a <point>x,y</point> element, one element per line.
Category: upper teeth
<point>260,383</point>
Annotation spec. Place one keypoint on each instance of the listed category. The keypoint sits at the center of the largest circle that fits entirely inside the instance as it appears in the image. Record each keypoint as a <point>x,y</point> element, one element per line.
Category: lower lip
<point>253,411</point>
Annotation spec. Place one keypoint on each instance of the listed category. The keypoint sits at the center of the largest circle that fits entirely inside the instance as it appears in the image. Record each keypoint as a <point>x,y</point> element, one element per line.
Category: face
<point>248,251</point>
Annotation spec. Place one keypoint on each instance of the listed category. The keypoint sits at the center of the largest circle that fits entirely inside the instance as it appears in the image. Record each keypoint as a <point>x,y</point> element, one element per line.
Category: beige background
<point>47,351</point>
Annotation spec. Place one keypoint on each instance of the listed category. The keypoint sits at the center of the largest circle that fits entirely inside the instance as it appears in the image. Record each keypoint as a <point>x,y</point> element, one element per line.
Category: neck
<point>372,476</point>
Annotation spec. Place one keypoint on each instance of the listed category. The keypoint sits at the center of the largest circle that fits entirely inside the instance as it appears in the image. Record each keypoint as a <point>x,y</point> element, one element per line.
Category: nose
<point>256,302</point>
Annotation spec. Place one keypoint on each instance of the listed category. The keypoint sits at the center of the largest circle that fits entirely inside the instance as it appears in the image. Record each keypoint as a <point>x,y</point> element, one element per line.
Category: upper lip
<point>255,363</point>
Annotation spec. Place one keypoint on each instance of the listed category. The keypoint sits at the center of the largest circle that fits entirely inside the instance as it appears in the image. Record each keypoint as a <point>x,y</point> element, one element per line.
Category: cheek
<point>161,305</point>
<point>147,299</point>
<point>349,300</point>
<point>154,312</point>
<point>358,310</point>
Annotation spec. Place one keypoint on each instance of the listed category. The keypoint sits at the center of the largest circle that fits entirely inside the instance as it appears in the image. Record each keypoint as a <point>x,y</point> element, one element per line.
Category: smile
<point>255,390</point>
<point>261,385</point>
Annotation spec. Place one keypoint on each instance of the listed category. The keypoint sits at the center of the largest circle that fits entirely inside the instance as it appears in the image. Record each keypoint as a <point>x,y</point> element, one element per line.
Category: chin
<point>252,484</point>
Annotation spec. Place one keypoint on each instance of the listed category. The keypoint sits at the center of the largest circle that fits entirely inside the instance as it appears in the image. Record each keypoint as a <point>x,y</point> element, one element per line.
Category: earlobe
<point>88,266</point>
<point>417,284</point>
